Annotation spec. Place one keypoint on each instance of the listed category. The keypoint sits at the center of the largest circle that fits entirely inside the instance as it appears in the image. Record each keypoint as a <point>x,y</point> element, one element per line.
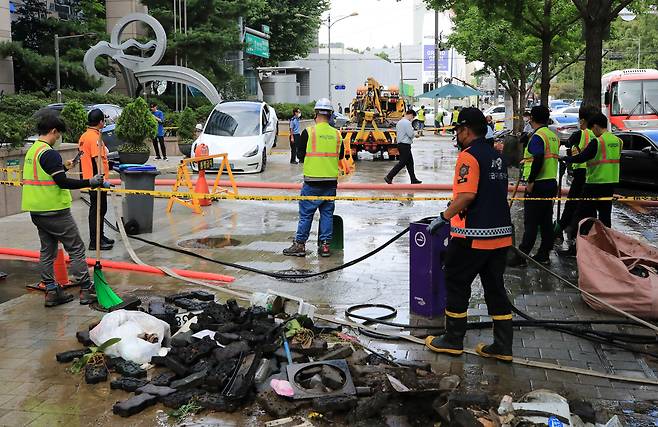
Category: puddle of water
<point>209,243</point>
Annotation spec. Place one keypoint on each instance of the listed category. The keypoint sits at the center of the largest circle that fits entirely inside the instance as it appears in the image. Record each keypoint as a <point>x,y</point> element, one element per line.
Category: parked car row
<point>111,111</point>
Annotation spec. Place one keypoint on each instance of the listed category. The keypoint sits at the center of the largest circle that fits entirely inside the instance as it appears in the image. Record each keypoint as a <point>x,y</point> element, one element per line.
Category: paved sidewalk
<point>36,390</point>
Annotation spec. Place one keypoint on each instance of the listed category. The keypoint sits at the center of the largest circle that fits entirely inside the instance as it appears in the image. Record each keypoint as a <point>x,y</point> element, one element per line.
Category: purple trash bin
<point>427,288</point>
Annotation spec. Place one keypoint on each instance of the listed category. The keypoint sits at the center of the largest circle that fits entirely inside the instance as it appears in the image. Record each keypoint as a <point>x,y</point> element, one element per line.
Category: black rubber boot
<point>57,296</point>
<point>501,348</point>
<point>87,295</point>
<point>453,341</point>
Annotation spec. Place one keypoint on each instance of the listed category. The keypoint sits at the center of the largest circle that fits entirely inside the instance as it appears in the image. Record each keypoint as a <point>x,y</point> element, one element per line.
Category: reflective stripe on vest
<point>551,150</point>
<point>604,167</point>
<point>322,150</point>
<point>482,232</point>
<point>585,136</point>
<point>40,193</point>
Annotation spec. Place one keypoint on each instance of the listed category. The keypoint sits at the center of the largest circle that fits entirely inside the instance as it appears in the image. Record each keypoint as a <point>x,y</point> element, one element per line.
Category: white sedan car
<point>245,130</point>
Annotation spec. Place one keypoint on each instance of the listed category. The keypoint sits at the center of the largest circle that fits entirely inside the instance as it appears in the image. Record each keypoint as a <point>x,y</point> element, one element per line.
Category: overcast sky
<point>379,23</point>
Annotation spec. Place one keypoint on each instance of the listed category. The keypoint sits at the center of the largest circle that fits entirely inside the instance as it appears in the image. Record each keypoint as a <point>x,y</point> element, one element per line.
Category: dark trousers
<point>463,264</point>
<point>538,216</point>
<point>159,140</point>
<point>594,208</point>
<point>575,191</point>
<point>294,143</point>
<point>60,227</point>
<point>93,199</point>
<point>406,160</point>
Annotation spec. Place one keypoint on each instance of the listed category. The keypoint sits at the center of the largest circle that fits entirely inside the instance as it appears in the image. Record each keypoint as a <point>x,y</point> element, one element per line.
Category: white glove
<point>437,223</point>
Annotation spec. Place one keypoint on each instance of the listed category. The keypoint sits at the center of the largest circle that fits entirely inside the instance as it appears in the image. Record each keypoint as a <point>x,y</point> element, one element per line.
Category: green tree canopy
<point>507,52</point>
<point>32,48</point>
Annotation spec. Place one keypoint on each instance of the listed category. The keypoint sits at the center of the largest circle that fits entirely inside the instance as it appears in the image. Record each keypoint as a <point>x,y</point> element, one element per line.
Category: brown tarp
<point>618,269</point>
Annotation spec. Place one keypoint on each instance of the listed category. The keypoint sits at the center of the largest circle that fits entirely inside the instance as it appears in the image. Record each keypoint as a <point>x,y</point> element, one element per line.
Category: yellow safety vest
<point>585,137</point>
<point>551,155</point>
<point>40,192</point>
<point>421,115</point>
<point>322,150</point>
<point>604,167</point>
<point>455,116</point>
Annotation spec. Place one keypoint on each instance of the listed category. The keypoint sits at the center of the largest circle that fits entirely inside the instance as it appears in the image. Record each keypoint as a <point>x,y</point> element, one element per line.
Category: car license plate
<point>205,164</point>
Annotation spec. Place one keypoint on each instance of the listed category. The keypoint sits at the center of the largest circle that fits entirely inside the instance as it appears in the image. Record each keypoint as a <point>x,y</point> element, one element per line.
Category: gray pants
<point>61,227</point>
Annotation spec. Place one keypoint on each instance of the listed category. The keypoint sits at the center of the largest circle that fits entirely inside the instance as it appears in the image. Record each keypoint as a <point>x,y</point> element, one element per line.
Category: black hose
<point>264,272</point>
<point>619,340</point>
<point>610,338</point>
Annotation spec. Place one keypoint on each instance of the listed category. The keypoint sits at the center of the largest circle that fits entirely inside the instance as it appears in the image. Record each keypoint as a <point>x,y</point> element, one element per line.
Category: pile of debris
<point>226,356</point>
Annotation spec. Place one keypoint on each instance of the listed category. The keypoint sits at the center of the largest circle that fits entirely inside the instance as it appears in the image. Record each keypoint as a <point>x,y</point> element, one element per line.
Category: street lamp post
<point>57,39</point>
<point>329,24</point>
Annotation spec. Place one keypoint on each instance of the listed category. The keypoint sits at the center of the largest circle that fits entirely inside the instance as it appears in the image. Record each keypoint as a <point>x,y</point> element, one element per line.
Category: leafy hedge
<point>75,117</point>
<point>13,130</point>
<point>284,110</point>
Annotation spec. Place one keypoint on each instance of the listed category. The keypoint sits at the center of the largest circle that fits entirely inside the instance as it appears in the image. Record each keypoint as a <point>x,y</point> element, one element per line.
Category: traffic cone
<point>201,186</point>
<point>61,273</point>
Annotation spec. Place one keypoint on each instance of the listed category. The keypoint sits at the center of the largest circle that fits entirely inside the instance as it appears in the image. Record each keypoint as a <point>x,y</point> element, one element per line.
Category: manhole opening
<point>325,377</point>
<point>209,243</point>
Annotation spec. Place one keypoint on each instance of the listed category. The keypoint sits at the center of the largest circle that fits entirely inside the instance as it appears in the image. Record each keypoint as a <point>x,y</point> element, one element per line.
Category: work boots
<point>324,250</point>
<point>297,249</point>
<point>501,348</point>
<point>452,342</point>
<point>87,294</point>
<point>57,296</point>
<point>569,252</point>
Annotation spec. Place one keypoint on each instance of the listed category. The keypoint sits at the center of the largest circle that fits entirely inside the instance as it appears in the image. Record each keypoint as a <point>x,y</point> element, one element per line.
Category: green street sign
<point>257,46</point>
<point>266,29</point>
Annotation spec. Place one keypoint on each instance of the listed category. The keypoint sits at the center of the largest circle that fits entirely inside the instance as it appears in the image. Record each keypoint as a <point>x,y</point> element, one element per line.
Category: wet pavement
<point>36,390</point>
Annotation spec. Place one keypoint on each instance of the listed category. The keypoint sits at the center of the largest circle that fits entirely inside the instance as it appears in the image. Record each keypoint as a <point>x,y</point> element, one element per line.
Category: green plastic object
<point>337,237</point>
<point>106,296</point>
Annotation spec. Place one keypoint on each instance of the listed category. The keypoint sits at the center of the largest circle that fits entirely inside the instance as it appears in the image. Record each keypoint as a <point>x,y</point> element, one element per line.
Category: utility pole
<point>329,56</point>
<point>241,52</point>
<point>401,75</point>
<point>436,62</point>
<point>175,54</point>
<point>57,79</point>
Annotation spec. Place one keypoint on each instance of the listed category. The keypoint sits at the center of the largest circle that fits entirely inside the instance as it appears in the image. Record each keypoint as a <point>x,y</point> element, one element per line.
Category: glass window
<point>234,120</point>
<point>651,96</point>
<point>639,142</point>
<point>627,97</point>
<point>499,110</point>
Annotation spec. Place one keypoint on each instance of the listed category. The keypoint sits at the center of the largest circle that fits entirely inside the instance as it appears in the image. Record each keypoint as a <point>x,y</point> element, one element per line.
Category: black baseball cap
<point>471,117</point>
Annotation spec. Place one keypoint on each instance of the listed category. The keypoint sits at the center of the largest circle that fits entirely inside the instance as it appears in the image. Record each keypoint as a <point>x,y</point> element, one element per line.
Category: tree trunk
<point>545,85</point>
<point>518,116</point>
<point>514,94</point>
<point>593,29</point>
<point>546,40</point>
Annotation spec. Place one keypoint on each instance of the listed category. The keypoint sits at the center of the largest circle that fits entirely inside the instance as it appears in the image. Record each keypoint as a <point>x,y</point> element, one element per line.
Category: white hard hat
<point>323,104</point>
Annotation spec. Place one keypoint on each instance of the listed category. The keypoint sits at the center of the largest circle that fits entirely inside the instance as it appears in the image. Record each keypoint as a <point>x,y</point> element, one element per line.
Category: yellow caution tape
<point>291,198</point>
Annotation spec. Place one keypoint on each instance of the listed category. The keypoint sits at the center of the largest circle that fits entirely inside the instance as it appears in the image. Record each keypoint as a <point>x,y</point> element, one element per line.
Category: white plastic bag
<point>128,325</point>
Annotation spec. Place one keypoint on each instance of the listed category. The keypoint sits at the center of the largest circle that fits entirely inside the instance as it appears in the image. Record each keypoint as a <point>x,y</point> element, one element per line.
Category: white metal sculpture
<point>143,69</point>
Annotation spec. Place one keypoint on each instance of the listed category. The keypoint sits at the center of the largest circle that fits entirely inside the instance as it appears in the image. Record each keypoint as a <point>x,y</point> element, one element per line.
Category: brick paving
<point>35,390</point>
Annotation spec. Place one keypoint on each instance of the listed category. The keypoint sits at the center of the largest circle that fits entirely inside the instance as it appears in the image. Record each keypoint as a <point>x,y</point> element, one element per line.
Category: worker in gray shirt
<point>405,136</point>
